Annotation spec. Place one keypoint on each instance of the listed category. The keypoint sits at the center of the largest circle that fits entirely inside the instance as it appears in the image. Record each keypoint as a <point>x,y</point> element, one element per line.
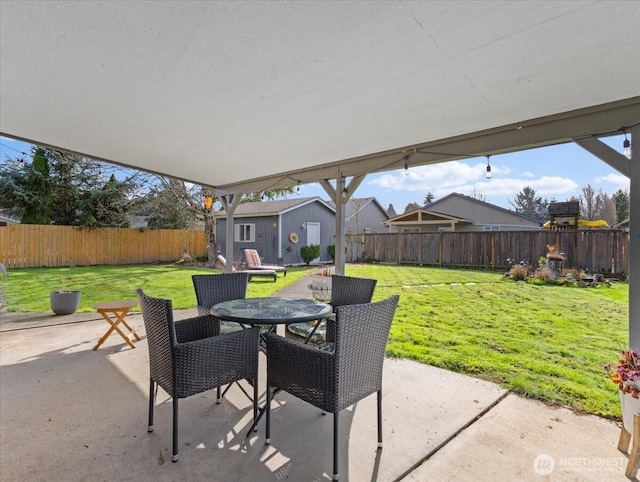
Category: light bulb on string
<point>406,166</point>
<point>488,168</point>
<point>626,146</point>
<point>298,188</point>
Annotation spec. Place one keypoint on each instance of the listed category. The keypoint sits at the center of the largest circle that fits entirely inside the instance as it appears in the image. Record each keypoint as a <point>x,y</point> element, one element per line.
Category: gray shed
<point>277,229</point>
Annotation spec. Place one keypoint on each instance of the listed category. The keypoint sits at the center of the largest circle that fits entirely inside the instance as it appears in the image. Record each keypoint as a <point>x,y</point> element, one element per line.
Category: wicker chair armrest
<point>196,328</point>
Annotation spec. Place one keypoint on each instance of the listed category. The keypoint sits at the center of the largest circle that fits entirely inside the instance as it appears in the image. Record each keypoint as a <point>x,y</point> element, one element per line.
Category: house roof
<point>8,219</point>
<point>433,204</point>
<point>425,216</point>
<point>246,96</point>
<point>272,208</point>
<point>355,205</point>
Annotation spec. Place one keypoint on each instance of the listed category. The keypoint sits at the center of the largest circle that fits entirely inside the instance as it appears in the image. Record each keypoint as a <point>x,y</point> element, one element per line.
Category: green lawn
<point>27,290</point>
<point>541,341</point>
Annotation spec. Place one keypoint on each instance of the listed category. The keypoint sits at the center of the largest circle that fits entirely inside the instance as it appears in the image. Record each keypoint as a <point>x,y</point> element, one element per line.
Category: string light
<point>488,168</point>
<point>298,188</point>
<point>406,166</point>
<point>626,145</point>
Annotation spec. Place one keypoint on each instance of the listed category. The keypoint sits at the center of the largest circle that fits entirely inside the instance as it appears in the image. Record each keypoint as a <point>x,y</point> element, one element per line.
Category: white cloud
<point>442,179</point>
<point>619,181</point>
<point>445,176</point>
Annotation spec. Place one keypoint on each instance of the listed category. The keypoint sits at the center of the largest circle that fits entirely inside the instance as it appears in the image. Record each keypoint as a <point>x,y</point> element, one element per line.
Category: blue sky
<point>556,172</point>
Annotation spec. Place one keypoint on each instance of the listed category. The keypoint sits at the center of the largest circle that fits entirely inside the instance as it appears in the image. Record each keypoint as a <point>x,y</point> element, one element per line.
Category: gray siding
<point>268,229</point>
<point>481,214</point>
<point>292,222</point>
<point>370,216</point>
<point>266,239</point>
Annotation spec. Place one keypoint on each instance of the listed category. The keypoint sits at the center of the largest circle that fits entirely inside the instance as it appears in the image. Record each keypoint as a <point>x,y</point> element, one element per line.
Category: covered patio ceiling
<point>245,96</point>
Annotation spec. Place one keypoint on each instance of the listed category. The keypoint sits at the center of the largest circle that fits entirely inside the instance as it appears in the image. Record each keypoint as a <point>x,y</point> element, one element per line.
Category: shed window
<point>491,228</point>
<point>245,233</point>
<point>410,230</point>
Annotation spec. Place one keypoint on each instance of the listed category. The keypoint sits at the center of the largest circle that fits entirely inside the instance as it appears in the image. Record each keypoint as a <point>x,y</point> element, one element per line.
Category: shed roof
<point>272,208</point>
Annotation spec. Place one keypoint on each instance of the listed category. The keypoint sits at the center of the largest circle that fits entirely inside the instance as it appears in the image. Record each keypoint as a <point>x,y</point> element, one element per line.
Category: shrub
<point>331,250</point>
<point>543,274</point>
<point>203,258</point>
<point>309,253</point>
<point>518,272</point>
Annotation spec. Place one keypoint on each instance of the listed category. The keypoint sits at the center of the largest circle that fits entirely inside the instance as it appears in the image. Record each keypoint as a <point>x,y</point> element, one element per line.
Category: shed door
<point>313,237</point>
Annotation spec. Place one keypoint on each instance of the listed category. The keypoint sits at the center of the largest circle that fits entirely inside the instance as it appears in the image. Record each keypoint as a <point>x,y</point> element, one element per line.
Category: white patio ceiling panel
<point>226,92</point>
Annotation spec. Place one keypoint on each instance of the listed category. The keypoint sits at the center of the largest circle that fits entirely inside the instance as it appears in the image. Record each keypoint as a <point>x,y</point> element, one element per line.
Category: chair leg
<point>151,403</point>
<point>379,419</point>
<point>336,476</point>
<point>175,430</point>
<point>255,401</point>
<point>267,407</point>
<point>219,396</point>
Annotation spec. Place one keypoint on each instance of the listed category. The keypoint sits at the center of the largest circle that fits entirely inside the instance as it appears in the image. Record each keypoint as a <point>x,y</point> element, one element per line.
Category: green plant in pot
<point>64,301</point>
<point>626,375</point>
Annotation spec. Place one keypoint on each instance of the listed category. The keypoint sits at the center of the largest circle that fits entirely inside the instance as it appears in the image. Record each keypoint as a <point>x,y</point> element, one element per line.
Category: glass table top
<point>271,310</point>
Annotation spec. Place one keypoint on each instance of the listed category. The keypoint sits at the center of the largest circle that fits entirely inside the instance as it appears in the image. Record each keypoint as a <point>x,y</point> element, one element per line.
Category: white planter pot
<point>321,287</point>
<point>629,406</point>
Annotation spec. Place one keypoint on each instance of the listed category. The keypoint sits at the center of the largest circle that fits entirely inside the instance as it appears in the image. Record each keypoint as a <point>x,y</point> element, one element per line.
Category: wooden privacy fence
<point>597,251</point>
<point>31,246</point>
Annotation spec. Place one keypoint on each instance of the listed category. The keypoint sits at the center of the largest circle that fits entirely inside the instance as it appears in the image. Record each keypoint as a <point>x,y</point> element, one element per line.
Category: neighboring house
<point>457,212</point>
<point>624,225</point>
<point>138,221</point>
<point>277,229</point>
<point>5,220</point>
<point>364,215</point>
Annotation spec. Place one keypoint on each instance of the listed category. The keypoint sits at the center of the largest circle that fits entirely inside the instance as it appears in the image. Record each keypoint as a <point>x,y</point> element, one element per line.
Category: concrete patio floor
<point>70,413</point>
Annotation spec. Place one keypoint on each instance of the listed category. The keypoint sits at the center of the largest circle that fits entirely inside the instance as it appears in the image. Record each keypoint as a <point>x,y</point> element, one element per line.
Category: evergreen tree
<point>63,189</point>
<point>108,206</point>
<point>391,211</point>
<point>621,201</point>
<point>25,188</point>
<point>428,198</point>
<point>411,207</point>
<point>527,203</point>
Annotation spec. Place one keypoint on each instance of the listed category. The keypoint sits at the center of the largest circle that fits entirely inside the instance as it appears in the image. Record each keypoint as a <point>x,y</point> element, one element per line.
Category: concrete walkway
<point>70,413</point>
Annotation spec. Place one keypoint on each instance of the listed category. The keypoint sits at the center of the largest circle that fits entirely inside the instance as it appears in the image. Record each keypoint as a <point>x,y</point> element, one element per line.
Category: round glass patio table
<point>271,311</point>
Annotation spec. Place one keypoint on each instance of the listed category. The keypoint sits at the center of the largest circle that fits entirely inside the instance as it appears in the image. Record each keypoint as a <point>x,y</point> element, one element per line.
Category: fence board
<point>30,246</point>
<point>602,251</point>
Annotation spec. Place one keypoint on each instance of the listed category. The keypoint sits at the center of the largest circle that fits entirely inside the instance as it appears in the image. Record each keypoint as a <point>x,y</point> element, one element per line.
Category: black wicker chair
<point>345,290</point>
<point>191,356</point>
<point>212,289</point>
<point>333,381</point>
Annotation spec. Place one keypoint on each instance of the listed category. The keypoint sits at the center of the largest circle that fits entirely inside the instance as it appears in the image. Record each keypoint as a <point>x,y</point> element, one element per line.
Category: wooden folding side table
<point>114,312</point>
